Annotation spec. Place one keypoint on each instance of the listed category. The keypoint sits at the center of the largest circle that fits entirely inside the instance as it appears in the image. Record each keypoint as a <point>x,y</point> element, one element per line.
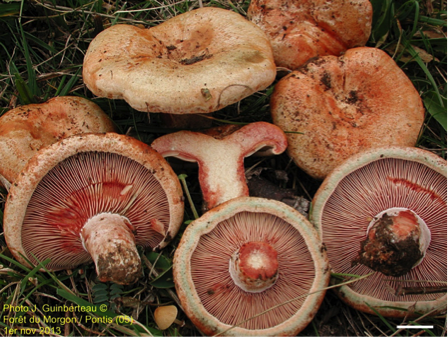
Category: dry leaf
<point>406,57</point>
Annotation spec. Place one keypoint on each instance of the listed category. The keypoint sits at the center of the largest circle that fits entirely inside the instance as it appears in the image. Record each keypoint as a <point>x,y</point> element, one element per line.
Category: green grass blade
<point>432,21</point>
<point>100,311</point>
<point>16,263</point>
<point>383,319</point>
<point>383,13</point>
<point>9,9</point>
<point>438,111</point>
<point>32,82</point>
<point>69,86</point>
<point>24,90</point>
<point>31,274</point>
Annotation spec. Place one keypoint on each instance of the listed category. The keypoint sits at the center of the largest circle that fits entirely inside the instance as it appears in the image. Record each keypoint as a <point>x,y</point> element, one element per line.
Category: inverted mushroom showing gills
<point>302,29</point>
<point>251,267</point>
<point>26,129</point>
<point>197,62</point>
<point>93,197</point>
<point>385,211</point>
<point>248,266</point>
<point>338,106</point>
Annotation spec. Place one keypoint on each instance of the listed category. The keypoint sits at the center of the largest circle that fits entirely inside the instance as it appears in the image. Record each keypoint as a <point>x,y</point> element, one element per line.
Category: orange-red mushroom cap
<point>303,29</point>
<point>334,107</point>
<point>26,129</point>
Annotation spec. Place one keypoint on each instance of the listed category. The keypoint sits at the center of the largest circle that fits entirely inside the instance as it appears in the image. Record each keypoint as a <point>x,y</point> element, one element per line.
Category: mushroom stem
<point>221,159</point>
<point>397,240</point>
<point>110,241</point>
<point>254,267</point>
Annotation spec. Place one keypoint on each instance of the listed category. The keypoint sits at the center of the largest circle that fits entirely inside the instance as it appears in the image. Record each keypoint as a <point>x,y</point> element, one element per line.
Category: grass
<point>42,45</point>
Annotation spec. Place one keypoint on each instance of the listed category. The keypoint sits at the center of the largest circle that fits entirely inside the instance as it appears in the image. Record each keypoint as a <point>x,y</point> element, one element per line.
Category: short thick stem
<point>109,240</point>
<point>396,242</point>
<point>254,267</point>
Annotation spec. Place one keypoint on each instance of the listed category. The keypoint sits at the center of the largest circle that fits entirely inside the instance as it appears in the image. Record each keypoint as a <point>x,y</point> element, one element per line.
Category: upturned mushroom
<point>93,197</point>
<point>248,266</point>
<point>335,107</point>
<point>197,62</point>
<point>385,211</point>
<point>300,30</point>
<point>26,129</point>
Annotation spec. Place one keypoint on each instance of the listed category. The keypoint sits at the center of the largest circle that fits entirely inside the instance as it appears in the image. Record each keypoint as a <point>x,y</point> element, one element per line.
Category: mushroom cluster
<point>248,266</point>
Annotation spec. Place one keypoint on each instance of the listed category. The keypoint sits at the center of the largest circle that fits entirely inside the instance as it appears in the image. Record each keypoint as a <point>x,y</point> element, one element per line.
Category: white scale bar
<point>415,326</point>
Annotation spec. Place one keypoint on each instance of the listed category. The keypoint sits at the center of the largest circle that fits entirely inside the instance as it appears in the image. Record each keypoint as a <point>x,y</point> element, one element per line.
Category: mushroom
<point>300,30</point>
<point>335,107</point>
<point>164,316</point>
<point>26,129</point>
<point>251,266</point>
<point>197,62</point>
<point>220,156</point>
<point>385,211</point>
<point>93,197</point>
<point>248,266</point>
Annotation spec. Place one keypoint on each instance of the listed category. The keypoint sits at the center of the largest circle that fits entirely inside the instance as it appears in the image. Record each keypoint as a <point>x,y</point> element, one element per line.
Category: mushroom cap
<point>165,316</point>
<point>26,129</point>
<point>197,62</point>
<point>300,30</point>
<point>343,105</point>
<point>355,193</point>
<point>204,285</point>
<point>58,191</point>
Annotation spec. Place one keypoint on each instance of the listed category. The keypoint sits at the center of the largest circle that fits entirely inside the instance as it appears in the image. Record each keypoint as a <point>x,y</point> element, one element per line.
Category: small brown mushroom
<point>26,129</point>
<point>93,197</point>
<point>334,107</point>
<point>197,62</point>
<point>165,316</point>
<point>385,211</point>
<point>220,156</point>
<point>300,30</point>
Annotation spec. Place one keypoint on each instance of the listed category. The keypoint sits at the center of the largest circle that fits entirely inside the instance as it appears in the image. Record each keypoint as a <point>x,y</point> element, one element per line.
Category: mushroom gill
<point>228,302</point>
<point>376,209</point>
<point>81,187</point>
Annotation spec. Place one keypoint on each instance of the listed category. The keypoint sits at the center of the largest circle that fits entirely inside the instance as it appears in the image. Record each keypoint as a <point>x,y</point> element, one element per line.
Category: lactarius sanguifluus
<point>220,156</point>
<point>334,107</point>
<point>196,62</point>
<point>385,211</point>
<point>248,266</point>
<point>93,197</point>
<point>300,30</point>
<point>26,129</point>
